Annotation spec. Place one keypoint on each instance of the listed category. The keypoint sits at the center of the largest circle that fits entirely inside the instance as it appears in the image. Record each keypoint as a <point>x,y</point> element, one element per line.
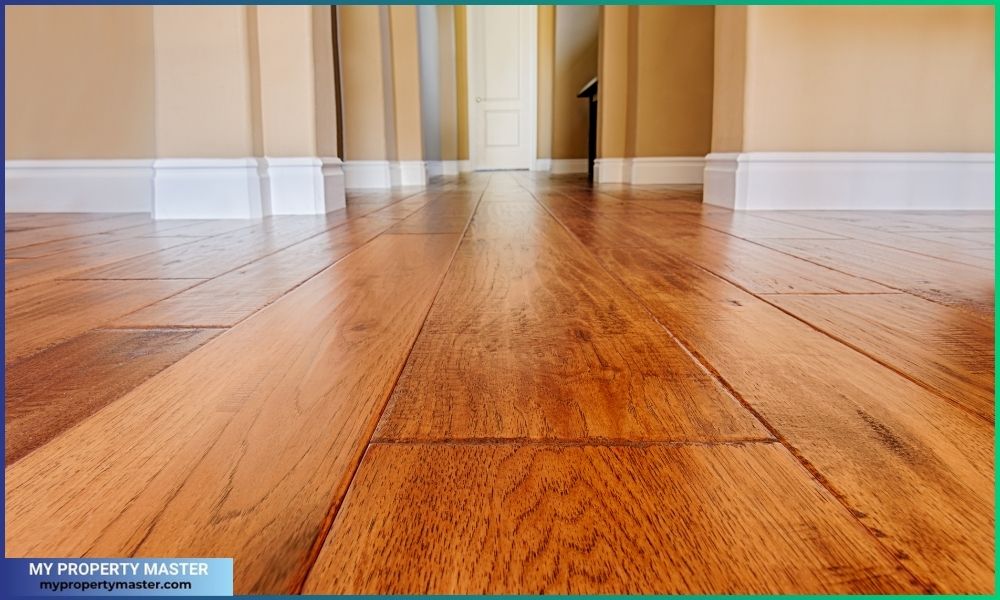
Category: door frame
<point>532,84</point>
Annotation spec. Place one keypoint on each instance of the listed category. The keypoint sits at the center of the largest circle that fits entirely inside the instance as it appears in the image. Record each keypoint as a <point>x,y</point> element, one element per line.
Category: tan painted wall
<point>70,98</point>
<point>673,85</point>
<point>656,71</point>
<point>406,82</point>
<point>546,71</point>
<point>462,81</point>
<point>575,64</point>
<point>613,81</point>
<point>287,87</point>
<point>363,92</point>
<point>729,79</point>
<point>203,100</point>
<point>870,79</point>
<point>325,80</point>
<point>447,84</point>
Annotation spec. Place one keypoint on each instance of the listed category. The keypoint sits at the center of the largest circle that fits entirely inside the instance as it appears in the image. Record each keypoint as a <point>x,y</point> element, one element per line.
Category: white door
<point>502,48</point>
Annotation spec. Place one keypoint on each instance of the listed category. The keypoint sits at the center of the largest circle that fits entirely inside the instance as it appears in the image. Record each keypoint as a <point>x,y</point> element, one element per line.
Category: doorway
<point>502,63</point>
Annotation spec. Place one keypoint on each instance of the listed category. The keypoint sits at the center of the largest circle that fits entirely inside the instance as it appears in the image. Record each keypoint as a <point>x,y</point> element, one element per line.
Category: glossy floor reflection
<point>510,383</point>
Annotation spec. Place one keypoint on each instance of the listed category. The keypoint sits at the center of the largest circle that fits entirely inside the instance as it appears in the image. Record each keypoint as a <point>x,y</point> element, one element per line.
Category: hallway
<point>510,382</point>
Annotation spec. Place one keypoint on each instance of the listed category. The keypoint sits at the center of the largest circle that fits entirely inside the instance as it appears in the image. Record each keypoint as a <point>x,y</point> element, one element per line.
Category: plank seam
<point>337,502</point>
<point>701,361</point>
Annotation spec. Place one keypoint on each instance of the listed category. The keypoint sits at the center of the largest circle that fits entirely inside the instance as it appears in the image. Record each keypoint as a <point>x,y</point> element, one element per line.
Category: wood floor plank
<point>230,298</point>
<point>449,213</point>
<point>489,519</point>
<point>928,246</point>
<point>47,234</point>
<point>961,239</point>
<point>947,350</point>
<point>537,341</point>
<point>79,262</point>
<point>241,448</point>
<point>22,221</point>
<point>916,469</point>
<point>172,229</point>
<point>750,227</point>
<point>945,282</point>
<point>746,263</point>
<point>43,315</point>
<point>211,257</point>
<point>53,390</point>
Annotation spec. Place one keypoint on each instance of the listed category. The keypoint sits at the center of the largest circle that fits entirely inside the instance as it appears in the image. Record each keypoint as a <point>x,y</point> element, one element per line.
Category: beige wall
<point>363,92</point>
<point>546,70</point>
<point>203,97</point>
<point>325,87</point>
<point>406,82</point>
<point>613,81</point>
<point>673,80</point>
<point>68,97</point>
<point>863,79</point>
<point>656,71</point>
<point>575,63</point>
<point>286,91</point>
<point>462,81</point>
<point>729,78</point>
<point>447,83</point>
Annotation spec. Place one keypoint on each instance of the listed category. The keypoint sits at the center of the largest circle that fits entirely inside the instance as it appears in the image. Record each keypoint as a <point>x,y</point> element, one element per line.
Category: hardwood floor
<point>509,383</point>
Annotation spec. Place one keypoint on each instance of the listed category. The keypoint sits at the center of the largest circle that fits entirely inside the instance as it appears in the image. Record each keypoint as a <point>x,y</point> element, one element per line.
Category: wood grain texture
<point>211,257</point>
<point>537,341</point>
<point>947,350</point>
<point>171,228</point>
<point>915,468</point>
<point>750,227</point>
<point>53,390</point>
<point>22,221</point>
<point>490,519</point>
<point>947,283</point>
<point>17,239</point>
<point>232,297</point>
<point>600,394</point>
<point>79,262</point>
<point>448,213</point>
<point>919,242</point>
<point>45,314</point>
<point>241,448</point>
<point>748,264</point>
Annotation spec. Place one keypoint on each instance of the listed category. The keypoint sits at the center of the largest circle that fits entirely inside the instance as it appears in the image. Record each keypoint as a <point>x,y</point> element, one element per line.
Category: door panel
<point>500,86</point>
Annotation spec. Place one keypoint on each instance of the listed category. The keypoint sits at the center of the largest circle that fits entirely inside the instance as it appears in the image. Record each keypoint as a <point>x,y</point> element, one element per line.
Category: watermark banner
<point>35,577</point>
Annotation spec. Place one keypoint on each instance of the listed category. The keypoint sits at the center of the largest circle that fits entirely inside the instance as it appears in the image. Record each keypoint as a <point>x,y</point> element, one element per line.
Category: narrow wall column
<point>239,91</point>
<point>655,88</point>
<point>379,52</point>
<point>205,165</point>
<point>408,167</point>
<point>294,107</point>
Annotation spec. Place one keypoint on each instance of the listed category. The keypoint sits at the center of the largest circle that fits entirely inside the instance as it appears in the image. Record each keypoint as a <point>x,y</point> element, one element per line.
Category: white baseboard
<point>666,170</point>
<point>405,173</point>
<point>305,185</point>
<point>177,188</point>
<point>442,167</point>
<point>851,180</point>
<point>207,188</point>
<point>113,185</point>
<point>611,170</point>
<point>562,166</point>
<point>650,170</point>
<point>542,164</point>
<point>383,174</point>
<point>367,174</point>
<point>465,166</point>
